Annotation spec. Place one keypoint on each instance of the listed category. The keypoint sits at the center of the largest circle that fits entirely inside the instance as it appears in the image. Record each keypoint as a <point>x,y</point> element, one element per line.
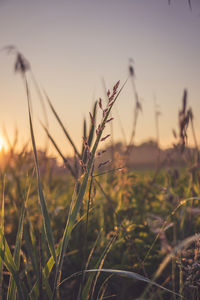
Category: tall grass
<point>36,264</point>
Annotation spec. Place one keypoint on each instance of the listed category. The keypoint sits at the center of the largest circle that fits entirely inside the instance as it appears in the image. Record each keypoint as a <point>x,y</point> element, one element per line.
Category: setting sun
<point>2,143</point>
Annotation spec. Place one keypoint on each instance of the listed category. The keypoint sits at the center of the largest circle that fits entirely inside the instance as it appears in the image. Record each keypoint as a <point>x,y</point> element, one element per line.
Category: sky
<point>75,45</point>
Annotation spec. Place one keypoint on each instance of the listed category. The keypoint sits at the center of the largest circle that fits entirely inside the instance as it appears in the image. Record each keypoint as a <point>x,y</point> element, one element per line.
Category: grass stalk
<point>77,205</point>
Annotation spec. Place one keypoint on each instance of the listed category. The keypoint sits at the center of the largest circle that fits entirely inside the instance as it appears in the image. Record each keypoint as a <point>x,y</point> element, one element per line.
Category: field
<point>95,227</point>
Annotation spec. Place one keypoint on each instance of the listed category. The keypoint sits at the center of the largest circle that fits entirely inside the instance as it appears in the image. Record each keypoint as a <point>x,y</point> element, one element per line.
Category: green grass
<point>125,233</point>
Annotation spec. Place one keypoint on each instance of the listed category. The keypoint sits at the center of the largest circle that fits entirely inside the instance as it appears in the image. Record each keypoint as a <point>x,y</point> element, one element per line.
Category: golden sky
<point>72,45</point>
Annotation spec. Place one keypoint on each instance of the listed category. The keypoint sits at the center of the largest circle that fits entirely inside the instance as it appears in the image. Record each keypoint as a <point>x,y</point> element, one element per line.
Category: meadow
<point>93,227</point>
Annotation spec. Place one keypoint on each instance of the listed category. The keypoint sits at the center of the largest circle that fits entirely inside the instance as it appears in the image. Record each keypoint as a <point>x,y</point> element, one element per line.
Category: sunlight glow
<point>2,144</point>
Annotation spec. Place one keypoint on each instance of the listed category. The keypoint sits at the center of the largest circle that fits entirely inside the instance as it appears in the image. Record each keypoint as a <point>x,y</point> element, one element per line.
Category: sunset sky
<point>73,44</point>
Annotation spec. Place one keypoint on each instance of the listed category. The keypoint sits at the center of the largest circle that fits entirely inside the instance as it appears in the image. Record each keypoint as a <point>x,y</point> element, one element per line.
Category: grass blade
<point>67,164</point>
<point>77,205</point>
<point>100,262</point>
<point>131,275</point>
<point>46,219</point>
<point>92,128</point>
<point>103,288</point>
<point>1,241</point>
<point>31,246</point>
<point>18,243</point>
<point>89,139</point>
<point>83,151</point>
<point>62,126</point>
<point>47,270</point>
<point>7,258</point>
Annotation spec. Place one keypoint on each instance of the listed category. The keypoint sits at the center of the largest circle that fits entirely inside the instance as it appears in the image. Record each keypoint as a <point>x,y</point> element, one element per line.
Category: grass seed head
<point>100,103</point>
<point>103,163</point>
<point>21,65</point>
<point>104,138</point>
